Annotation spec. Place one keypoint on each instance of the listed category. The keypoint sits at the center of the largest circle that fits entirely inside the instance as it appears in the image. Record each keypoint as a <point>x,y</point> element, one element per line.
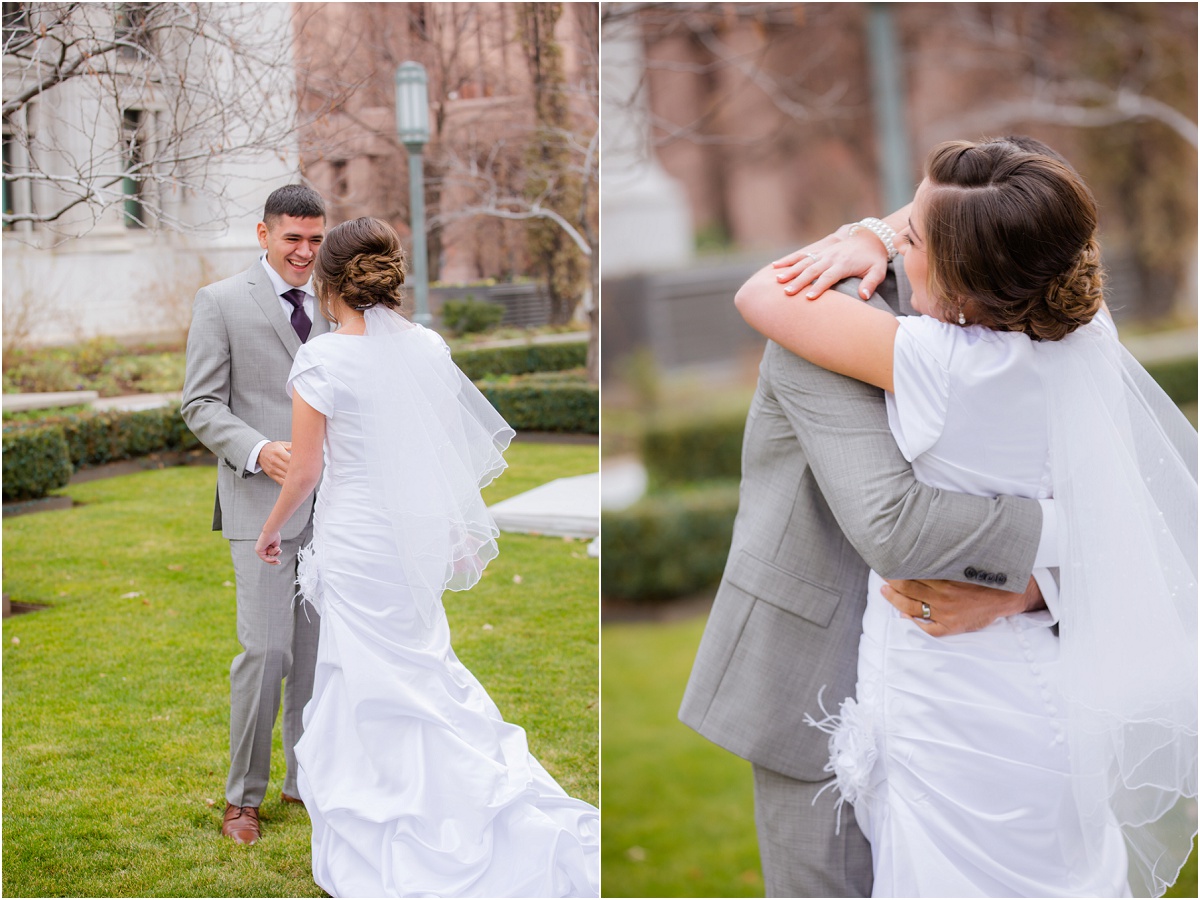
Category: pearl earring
<point>962,320</point>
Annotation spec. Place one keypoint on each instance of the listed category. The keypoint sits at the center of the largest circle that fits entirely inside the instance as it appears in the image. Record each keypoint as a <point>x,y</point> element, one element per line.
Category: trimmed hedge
<point>694,450</point>
<point>546,407</point>
<point>36,461</point>
<point>97,437</point>
<point>668,544</point>
<point>471,315</point>
<point>519,360</point>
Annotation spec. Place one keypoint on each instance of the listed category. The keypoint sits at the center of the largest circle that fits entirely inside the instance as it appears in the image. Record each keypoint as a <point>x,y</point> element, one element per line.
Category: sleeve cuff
<point>253,468</point>
<point>1047,551</point>
<point>1048,585</point>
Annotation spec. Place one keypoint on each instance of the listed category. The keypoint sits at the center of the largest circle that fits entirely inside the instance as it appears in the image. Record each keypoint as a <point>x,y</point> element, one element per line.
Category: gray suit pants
<point>279,640</point>
<point>801,854</point>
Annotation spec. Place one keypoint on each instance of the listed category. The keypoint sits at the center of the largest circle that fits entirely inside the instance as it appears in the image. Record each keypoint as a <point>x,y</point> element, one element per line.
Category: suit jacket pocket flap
<point>779,587</point>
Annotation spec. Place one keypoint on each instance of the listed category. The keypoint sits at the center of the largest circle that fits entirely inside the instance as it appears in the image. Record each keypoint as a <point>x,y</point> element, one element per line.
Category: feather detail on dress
<point>308,579</point>
<point>852,751</point>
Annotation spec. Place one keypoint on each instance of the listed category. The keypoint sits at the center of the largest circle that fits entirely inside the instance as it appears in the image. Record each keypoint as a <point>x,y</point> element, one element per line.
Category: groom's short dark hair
<point>296,200</point>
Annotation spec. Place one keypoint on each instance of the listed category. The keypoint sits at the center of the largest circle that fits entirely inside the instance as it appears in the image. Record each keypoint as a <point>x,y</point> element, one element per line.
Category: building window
<point>418,20</point>
<point>16,25</point>
<point>132,27</point>
<point>133,146</point>
<point>341,181</point>
<point>9,208</point>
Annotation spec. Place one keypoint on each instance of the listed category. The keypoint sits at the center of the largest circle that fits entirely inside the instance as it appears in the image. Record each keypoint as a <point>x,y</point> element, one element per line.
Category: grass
<point>116,706</point>
<point>678,814</point>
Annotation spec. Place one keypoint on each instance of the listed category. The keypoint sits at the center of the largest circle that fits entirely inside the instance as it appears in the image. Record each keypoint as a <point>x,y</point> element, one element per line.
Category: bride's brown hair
<point>362,262</point>
<point>1012,233</point>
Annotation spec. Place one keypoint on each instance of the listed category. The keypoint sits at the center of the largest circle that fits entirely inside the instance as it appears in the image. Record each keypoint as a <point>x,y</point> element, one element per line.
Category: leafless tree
<point>1047,85</point>
<point>129,105</point>
<point>494,179</point>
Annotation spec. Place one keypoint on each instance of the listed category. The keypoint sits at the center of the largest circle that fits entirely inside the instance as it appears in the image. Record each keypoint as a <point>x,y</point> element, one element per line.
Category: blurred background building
<point>141,139</point>
<point>779,122</point>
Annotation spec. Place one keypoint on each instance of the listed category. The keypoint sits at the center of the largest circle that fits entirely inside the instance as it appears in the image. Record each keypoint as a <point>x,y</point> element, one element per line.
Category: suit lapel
<point>264,295</point>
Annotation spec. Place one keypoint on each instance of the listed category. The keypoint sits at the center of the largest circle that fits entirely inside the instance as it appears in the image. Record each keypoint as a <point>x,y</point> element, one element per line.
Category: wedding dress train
<point>415,784</point>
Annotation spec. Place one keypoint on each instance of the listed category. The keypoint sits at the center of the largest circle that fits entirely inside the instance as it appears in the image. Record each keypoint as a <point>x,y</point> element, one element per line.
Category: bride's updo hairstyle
<point>361,262</point>
<point>1012,233</point>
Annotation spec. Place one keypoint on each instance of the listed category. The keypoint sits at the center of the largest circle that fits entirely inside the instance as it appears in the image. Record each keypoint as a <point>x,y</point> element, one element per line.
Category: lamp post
<point>412,124</point>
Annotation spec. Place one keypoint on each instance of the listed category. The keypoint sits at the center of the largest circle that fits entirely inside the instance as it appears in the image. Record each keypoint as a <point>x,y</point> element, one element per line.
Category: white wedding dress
<point>957,751</point>
<point>415,784</point>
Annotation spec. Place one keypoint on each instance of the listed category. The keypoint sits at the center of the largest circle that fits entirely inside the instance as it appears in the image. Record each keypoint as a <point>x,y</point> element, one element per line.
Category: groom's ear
<point>261,230</point>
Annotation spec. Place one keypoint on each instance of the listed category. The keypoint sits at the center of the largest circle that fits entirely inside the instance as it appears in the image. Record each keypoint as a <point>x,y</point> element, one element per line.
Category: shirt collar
<point>281,286</point>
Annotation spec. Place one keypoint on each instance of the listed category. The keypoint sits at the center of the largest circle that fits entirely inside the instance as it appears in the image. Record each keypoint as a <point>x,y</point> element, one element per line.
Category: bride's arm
<point>304,471</point>
<point>836,331</point>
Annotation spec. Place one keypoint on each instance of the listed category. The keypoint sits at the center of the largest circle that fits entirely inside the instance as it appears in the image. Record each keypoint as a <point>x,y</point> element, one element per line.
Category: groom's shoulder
<point>235,285</point>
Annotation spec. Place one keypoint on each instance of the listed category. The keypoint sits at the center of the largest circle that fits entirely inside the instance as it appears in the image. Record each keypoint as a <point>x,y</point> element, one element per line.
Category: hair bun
<point>361,261</point>
<point>1073,298</point>
<point>371,279</point>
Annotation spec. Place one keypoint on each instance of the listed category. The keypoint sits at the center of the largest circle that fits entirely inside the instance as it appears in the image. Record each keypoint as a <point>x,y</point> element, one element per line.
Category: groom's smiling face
<point>291,244</point>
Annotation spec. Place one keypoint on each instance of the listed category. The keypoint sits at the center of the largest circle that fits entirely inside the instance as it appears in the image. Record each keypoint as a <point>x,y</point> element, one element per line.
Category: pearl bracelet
<point>881,230</point>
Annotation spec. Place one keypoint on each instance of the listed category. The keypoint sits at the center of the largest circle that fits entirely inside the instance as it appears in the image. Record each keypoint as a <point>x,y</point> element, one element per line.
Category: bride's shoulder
<point>959,347</point>
<point>431,338</point>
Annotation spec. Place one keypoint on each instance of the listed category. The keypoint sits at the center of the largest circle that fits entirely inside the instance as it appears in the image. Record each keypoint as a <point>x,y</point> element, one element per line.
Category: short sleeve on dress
<point>920,392</point>
<point>308,376</point>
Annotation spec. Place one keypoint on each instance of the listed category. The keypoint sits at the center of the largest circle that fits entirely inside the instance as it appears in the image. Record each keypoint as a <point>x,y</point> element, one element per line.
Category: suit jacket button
<point>992,578</point>
<point>1001,578</point>
<point>971,572</point>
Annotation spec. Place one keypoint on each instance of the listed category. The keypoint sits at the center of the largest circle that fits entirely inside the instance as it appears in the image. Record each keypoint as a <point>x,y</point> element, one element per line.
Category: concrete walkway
<point>565,507</point>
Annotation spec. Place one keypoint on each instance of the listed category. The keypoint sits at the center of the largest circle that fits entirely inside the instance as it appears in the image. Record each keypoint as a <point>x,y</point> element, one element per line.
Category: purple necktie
<point>300,320</point>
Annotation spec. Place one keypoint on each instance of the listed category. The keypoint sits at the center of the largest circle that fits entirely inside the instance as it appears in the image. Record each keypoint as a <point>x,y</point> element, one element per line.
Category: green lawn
<point>678,813</point>
<point>116,707</point>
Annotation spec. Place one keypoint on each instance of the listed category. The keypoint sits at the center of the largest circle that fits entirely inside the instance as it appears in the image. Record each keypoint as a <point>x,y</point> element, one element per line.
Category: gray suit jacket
<point>239,354</point>
<point>825,494</point>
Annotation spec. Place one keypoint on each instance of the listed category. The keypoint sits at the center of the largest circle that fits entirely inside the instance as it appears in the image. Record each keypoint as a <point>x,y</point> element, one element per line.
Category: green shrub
<point>1177,377</point>
<point>42,374</point>
<point>97,437</point>
<point>471,315</point>
<point>36,462</point>
<point>100,364</point>
<point>694,449</point>
<point>549,407</point>
<point>668,544</point>
<point>521,359</point>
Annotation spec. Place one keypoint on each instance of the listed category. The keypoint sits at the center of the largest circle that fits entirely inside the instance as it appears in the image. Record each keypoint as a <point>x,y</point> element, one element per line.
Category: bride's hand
<point>829,260</point>
<point>268,547</point>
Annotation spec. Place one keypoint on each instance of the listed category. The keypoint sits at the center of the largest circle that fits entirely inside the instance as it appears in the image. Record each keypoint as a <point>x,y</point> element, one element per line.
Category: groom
<point>245,332</point>
<point>825,495</point>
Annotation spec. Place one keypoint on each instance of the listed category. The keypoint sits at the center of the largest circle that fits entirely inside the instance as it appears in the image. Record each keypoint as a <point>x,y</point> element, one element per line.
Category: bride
<point>1048,754</point>
<point>415,784</point>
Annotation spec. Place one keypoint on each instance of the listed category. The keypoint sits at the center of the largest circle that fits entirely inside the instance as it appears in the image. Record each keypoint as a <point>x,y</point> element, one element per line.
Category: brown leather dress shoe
<point>288,798</point>
<point>241,824</point>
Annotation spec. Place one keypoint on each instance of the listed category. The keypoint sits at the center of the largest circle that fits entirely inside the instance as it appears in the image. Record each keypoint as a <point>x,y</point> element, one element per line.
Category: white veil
<point>1124,470</point>
<point>432,441</point>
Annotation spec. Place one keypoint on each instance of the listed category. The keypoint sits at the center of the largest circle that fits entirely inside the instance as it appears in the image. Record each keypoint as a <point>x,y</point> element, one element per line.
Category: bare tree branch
<point>209,86</point>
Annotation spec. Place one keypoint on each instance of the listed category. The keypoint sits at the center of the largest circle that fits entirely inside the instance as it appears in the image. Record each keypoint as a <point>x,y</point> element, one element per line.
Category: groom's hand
<point>956,607</point>
<point>274,459</point>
